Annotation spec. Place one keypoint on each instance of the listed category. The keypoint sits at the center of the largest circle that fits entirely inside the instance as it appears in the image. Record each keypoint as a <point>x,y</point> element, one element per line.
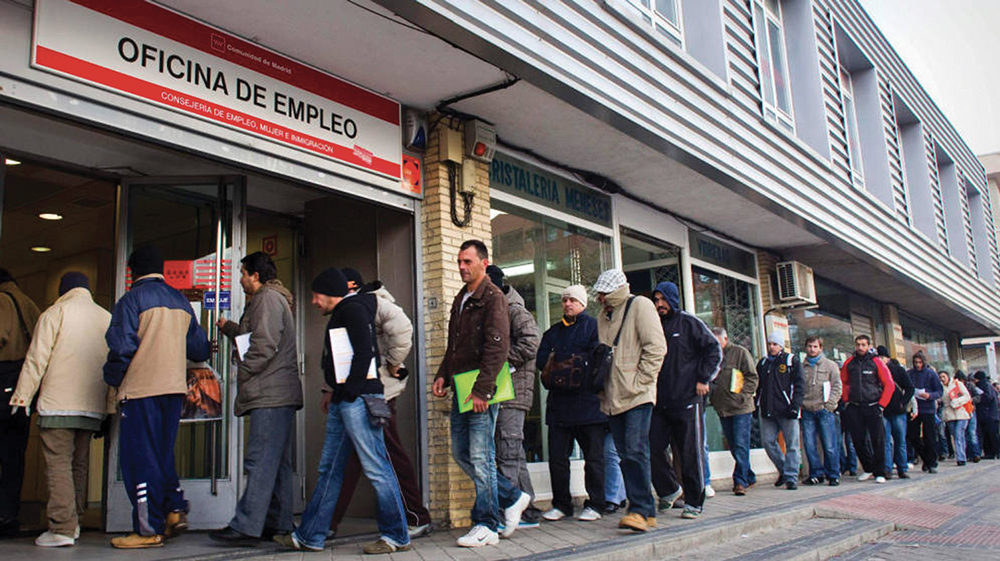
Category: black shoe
<point>853,473</point>
<point>779,482</point>
<point>833,482</point>
<point>790,485</point>
<point>888,475</point>
<point>230,536</point>
<point>813,481</point>
<point>903,475</point>
<point>610,508</point>
<point>269,533</point>
<point>932,470</point>
<point>961,463</point>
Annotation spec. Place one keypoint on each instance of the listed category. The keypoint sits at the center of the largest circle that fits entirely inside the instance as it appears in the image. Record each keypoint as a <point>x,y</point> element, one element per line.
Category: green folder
<point>465,381</point>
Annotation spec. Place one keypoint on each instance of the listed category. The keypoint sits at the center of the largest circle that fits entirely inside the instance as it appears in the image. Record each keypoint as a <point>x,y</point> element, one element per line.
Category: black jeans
<point>680,429</point>
<point>862,421</point>
<point>591,439</point>
<point>13,444</point>
<point>990,438</point>
<point>922,433</point>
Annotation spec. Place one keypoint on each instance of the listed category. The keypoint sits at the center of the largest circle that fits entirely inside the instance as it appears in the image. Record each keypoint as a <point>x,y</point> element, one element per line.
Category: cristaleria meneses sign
<point>155,54</point>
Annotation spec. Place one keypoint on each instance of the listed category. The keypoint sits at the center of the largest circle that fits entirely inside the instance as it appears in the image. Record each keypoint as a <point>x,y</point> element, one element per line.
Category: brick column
<point>451,491</point>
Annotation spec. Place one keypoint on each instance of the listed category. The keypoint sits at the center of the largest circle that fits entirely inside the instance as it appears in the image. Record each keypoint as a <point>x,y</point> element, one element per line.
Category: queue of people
<point>630,386</point>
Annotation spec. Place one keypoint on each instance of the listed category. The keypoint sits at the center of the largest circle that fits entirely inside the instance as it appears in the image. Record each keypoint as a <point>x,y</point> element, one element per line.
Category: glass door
<point>197,224</point>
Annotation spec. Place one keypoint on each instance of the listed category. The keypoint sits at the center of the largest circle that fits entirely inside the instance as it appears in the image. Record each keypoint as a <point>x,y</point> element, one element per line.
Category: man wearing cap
<point>733,402</point>
<point>479,339</point>
<point>868,388</point>
<point>153,333</point>
<point>64,368</point>
<point>349,427</point>
<point>779,399</point>
<point>895,417</point>
<point>524,338</point>
<point>631,326</point>
<point>572,411</point>
<point>18,315</point>
<point>691,364</point>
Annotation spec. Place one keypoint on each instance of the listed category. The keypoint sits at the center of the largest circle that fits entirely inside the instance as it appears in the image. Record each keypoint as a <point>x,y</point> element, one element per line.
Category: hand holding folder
<point>466,380</point>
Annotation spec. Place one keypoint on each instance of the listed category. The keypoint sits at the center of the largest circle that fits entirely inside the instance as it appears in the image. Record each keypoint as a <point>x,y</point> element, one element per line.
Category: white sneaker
<point>76,533</point>
<point>553,515</point>
<point>589,515</point>
<point>709,492</point>
<point>865,476</point>
<point>478,536</point>
<point>51,539</point>
<point>512,514</point>
<point>880,479</point>
<point>419,531</point>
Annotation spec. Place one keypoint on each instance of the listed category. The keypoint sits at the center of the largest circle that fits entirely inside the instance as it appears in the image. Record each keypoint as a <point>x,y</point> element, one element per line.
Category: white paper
<point>243,344</point>
<point>343,353</point>
<point>826,391</point>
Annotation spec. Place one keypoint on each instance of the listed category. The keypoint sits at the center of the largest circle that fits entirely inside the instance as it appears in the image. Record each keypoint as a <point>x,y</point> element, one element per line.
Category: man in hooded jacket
<point>689,367</point>
<point>868,387</point>
<point>779,400</point>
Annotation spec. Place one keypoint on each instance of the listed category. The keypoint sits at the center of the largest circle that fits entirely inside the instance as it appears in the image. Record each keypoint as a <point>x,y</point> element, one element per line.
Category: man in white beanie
<point>631,326</point>
<point>779,400</point>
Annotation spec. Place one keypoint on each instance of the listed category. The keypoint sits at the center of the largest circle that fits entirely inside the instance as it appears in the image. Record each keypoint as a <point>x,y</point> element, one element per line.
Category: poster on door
<point>203,401</point>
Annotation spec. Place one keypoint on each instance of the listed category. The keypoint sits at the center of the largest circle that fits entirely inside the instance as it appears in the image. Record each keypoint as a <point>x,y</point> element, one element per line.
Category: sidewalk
<point>924,515</point>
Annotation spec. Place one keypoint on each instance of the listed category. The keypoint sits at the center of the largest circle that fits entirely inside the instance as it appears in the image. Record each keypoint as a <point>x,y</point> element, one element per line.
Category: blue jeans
<point>614,485</point>
<point>474,449</point>
<point>824,423</point>
<point>895,441</point>
<point>267,499</point>
<point>704,448</point>
<point>972,438</point>
<point>848,457</point>
<point>957,429</point>
<point>787,463</point>
<point>631,433</point>
<point>348,429</point>
<point>736,429</point>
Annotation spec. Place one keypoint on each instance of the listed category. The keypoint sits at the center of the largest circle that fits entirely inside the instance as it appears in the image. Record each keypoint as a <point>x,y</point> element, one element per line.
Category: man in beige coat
<point>631,325</point>
<point>819,405</point>
<point>64,367</point>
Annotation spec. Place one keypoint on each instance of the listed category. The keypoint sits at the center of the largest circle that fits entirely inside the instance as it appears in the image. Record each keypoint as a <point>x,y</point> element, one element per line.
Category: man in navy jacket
<point>922,430</point>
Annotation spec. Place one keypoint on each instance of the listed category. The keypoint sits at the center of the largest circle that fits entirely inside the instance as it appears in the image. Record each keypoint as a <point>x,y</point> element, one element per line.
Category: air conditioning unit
<point>795,284</point>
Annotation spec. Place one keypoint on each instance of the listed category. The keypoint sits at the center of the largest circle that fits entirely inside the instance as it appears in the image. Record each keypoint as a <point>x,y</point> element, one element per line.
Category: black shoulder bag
<point>604,358</point>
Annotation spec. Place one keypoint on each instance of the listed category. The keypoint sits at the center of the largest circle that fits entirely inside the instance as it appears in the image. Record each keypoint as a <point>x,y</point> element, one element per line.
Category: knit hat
<point>353,275</point>
<point>610,281</point>
<point>576,292</point>
<point>776,337</point>
<point>979,375</point>
<point>882,351</point>
<point>496,275</point>
<point>146,260</point>
<point>71,280</point>
<point>330,282</point>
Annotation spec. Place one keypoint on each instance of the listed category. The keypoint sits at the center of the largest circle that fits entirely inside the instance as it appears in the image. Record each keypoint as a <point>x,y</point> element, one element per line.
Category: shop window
<point>837,333</point>
<point>918,336</point>
<point>540,256</point>
<point>663,16</point>
<point>772,63</point>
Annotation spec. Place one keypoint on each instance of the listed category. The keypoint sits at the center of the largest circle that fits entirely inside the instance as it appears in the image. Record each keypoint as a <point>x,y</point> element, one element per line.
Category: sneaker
<point>478,536</point>
<point>291,542</point>
<point>780,481</point>
<point>382,545</point>
<point>76,533</point>
<point>176,522</point>
<point>135,541</point>
<point>589,515</point>
<point>865,476</point>
<point>739,490</point>
<point>691,512</point>
<point>791,485</point>
<point>679,503</point>
<point>833,482</point>
<point>961,463</point>
<point>812,481</point>
<point>932,470</point>
<point>709,492</point>
<point>419,531</point>
<point>610,507</point>
<point>903,475</point>
<point>512,514</point>
<point>52,539</point>
<point>667,502</point>
<point>527,524</point>
<point>634,521</point>
<point>554,514</point>
<point>880,480</point>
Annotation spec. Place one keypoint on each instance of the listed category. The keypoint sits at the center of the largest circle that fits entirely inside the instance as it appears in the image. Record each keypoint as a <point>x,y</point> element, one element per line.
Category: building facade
<point>774,158</point>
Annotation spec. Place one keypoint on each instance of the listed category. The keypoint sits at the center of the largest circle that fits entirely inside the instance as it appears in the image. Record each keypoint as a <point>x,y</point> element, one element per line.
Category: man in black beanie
<point>348,423</point>
<point>148,366</point>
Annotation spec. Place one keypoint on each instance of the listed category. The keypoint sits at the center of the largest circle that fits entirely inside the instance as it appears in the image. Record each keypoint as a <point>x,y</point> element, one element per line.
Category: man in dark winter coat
<point>922,430</point>
<point>573,412</point>
<point>895,416</point>
<point>988,415</point>
<point>779,399</point>
<point>691,363</point>
<point>868,387</point>
<point>524,337</point>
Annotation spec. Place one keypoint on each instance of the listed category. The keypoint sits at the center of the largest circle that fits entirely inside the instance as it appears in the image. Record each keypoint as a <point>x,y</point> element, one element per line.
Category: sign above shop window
<point>717,252</point>
<point>157,55</point>
<point>530,182</point>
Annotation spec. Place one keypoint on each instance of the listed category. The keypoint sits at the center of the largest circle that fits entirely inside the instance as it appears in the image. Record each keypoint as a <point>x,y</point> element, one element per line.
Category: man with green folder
<point>479,339</point>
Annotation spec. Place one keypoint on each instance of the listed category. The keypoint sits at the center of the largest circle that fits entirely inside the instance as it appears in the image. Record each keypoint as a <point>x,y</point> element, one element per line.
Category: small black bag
<point>379,412</point>
<point>604,358</point>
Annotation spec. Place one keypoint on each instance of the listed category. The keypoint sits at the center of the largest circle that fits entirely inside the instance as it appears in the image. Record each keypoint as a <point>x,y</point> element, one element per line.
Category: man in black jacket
<point>895,416</point>
<point>692,362</point>
<point>988,416</point>
<point>779,399</point>
<point>348,424</point>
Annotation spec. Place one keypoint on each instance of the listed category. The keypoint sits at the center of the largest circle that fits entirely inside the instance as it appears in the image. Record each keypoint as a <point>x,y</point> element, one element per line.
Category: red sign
<point>179,274</point>
<point>411,174</point>
<point>269,245</point>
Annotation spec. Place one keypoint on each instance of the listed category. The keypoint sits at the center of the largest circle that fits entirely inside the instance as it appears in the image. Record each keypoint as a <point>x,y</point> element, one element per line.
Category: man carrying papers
<point>732,398</point>
<point>819,406</point>
<point>479,339</point>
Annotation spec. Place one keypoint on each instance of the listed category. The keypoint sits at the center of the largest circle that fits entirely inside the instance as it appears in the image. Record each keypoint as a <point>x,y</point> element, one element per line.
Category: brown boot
<point>739,490</point>
<point>634,521</point>
<point>176,522</point>
<point>135,541</point>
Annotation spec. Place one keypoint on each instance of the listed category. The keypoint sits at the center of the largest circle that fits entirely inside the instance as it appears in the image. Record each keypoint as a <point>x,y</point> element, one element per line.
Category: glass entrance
<point>192,221</point>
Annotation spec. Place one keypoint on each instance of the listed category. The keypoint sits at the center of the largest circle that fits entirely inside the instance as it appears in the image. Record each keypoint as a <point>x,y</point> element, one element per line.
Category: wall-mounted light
<point>50,216</point>
<point>10,162</point>
<point>41,249</point>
